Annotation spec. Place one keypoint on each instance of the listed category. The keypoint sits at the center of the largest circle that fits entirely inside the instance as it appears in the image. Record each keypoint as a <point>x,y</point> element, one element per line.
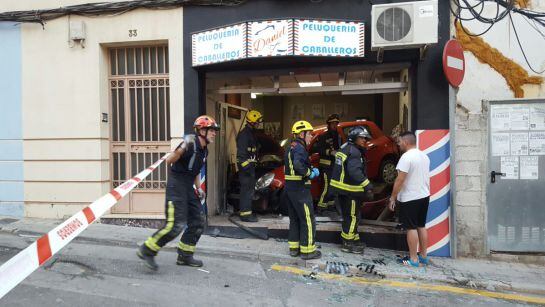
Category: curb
<point>205,250</point>
<point>215,251</point>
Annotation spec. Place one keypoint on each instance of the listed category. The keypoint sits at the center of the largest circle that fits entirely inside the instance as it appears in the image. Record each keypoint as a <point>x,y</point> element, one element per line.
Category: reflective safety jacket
<point>349,174</point>
<point>326,145</point>
<point>297,166</point>
<point>246,148</point>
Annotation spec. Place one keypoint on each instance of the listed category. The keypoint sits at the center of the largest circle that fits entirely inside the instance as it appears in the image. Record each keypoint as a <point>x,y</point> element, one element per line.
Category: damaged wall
<point>495,70</point>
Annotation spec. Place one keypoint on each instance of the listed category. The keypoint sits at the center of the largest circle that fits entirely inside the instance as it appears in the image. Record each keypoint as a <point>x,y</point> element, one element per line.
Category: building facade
<point>83,115</point>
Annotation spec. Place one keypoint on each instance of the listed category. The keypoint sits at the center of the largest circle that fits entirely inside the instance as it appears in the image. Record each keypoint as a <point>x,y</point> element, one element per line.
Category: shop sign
<point>328,38</point>
<point>286,37</point>
<point>270,38</point>
<point>219,45</point>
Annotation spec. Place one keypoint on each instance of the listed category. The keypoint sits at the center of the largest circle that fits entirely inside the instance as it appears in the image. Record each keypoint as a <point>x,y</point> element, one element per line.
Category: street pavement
<point>96,274</point>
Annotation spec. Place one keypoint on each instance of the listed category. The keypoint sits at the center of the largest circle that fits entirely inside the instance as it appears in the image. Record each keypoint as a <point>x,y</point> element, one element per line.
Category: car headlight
<point>264,182</point>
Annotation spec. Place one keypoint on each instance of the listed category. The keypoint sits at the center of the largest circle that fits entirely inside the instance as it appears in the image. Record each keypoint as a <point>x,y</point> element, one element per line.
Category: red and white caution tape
<point>26,261</point>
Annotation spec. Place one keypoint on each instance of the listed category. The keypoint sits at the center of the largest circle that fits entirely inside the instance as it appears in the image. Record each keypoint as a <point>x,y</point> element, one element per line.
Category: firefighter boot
<point>294,252</point>
<point>310,256</point>
<point>148,256</point>
<point>251,218</point>
<point>352,247</point>
<point>187,259</point>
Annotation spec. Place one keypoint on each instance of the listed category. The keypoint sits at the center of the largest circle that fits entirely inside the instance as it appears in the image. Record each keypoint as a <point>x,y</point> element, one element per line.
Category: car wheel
<point>388,172</point>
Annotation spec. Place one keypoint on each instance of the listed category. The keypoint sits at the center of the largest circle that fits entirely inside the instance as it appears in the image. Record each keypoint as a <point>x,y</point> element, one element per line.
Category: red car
<point>382,155</point>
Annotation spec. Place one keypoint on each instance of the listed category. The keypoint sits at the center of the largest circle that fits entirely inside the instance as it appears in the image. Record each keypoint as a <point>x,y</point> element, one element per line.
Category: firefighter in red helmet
<point>182,206</point>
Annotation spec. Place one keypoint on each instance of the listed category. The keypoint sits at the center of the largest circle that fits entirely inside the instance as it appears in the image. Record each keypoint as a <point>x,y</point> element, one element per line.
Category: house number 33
<point>133,33</point>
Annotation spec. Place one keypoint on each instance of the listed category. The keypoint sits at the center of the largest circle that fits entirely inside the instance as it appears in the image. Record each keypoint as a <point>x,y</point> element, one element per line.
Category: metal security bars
<point>140,113</point>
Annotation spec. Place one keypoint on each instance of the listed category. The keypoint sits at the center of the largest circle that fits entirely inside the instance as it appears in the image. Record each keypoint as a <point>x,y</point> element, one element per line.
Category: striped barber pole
<point>203,187</point>
<point>436,144</point>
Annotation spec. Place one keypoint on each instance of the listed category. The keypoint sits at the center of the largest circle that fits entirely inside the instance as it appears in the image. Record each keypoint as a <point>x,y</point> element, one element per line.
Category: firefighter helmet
<point>205,121</point>
<point>333,118</point>
<point>301,126</point>
<point>358,132</point>
<point>254,116</point>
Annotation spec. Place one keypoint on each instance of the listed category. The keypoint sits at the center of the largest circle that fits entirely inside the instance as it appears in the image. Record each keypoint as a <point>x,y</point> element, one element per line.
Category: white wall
<point>483,82</point>
<point>65,90</point>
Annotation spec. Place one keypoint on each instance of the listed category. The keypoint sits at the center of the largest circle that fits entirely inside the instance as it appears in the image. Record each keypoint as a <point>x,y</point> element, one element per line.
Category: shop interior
<point>381,96</point>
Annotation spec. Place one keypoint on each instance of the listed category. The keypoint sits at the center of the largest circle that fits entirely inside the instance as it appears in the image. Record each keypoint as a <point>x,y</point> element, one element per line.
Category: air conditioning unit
<point>404,25</point>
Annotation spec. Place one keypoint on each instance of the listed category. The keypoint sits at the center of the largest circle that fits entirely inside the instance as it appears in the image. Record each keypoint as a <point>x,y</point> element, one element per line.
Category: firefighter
<point>246,160</point>
<point>299,172</point>
<point>183,205</point>
<point>328,144</point>
<point>350,182</point>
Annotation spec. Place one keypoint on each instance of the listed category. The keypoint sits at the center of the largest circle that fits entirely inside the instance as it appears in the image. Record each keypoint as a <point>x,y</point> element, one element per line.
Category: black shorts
<point>412,214</point>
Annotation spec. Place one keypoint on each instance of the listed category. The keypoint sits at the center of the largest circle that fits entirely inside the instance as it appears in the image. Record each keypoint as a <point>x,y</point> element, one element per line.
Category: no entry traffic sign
<point>453,62</point>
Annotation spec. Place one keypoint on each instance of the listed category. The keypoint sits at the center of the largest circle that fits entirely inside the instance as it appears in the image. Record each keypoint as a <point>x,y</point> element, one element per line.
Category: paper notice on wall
<point>536,143</point>
<point>510,167</point>
<point>519,144</point>
<point>500,144</point>
<point>529,167</point>
<point>537,117</point>
<point>499,118</point>
<point>520,117</point>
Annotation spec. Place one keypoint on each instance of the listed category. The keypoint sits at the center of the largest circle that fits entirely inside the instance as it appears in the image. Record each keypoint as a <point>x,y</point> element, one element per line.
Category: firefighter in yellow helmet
<point>299,172</point>
<point>246,160</point>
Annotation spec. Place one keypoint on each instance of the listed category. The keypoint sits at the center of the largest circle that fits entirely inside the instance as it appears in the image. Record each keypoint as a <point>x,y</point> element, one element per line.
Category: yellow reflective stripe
<point>290,177</point>
<point>308,173</point>
<point>307,249</point>
<point>321,201</point>
<point>347,236</point>
<point>293,244</point>
<point>245,163</point>
<point>356,237</point>
<point>151,242</point>
<point>343,158</point>
<point>290,163</point>
<point>245,213</point>
<point>186,247</point>
<point>352,229</point>
<point>325,162</point>
<point>349,187</point>
<point>309,227</point>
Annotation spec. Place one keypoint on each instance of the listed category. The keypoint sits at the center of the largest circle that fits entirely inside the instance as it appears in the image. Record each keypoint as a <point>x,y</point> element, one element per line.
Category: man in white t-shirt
<point>412,193</point>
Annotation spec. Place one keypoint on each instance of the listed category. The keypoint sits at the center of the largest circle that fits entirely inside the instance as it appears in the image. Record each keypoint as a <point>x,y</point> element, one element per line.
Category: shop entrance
<point>378,99</point>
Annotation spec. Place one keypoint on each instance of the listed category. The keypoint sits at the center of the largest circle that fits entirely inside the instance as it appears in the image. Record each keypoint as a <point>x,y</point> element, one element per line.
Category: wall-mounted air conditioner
<point>404,25</point>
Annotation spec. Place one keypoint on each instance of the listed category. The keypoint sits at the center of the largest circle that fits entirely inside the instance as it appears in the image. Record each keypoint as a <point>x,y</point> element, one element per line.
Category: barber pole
<point>203,187</point>
<point>436,144</point>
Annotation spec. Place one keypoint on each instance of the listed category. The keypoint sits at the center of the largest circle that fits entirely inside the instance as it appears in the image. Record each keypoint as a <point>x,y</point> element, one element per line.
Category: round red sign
<point>454,62</point>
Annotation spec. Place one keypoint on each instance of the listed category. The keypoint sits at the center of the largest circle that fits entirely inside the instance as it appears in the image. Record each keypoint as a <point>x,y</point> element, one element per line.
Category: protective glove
<point>314,173</point>
<point>201,194</point>
<point>369,194</point>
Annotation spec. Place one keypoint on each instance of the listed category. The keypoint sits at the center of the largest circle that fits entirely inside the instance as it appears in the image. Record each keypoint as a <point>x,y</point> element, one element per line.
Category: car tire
<point>387,171</point>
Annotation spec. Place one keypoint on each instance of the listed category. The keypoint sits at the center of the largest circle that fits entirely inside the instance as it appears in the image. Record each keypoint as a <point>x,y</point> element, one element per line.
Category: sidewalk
<point>473,273</point>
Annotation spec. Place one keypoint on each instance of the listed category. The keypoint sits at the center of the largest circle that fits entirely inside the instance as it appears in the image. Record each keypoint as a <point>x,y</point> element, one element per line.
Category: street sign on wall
<point>328,38</point>
<point>270,38</point>
<point>219,45</point>
<point>282,37</point>
<point>454,62</point>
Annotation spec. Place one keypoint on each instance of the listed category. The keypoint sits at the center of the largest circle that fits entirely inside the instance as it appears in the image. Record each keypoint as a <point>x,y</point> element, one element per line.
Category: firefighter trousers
<point>350,209</point>
<point>302,232</point>
<point>326,195</point>
<point>247,187</point>
<point>181,215</point>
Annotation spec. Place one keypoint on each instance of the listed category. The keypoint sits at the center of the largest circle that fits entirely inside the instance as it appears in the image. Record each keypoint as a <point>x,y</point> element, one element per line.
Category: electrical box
<point>77,30</point>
